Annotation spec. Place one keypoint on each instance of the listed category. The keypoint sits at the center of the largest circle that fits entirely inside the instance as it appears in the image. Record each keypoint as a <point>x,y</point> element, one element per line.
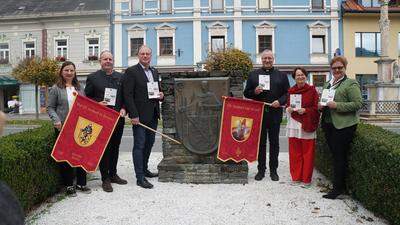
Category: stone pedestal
<point>383,91</point>
<point>383,100</point>
<point>385,69</point>
<point>183,166</point>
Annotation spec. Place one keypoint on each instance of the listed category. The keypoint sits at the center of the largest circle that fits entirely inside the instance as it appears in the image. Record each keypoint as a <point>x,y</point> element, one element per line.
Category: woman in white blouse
<point>61,97</point>
<point>303,118</point>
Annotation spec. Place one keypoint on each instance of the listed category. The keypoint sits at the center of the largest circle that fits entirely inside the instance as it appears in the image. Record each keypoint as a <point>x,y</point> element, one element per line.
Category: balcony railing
<point>381,107</point>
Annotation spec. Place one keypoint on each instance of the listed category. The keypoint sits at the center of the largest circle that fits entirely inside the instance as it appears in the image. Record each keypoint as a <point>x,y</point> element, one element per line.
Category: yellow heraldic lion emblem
<point>86,132</point>
<point>241,128</point>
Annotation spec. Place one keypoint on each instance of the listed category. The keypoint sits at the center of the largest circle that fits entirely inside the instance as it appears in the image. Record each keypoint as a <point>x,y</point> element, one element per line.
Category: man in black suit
<point>142,108</point>
<point>99,83</point>
<point>274,92</point>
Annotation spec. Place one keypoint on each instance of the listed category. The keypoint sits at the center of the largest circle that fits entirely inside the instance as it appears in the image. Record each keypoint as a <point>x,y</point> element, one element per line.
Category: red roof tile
<point>354,7</point>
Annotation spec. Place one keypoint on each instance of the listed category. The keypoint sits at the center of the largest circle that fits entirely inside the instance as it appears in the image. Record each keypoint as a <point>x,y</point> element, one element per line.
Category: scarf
<point>309,100</point>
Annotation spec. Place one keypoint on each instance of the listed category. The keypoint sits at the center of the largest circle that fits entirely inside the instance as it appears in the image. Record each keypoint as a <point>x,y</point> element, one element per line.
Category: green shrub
<point>374,169</point>
<point>229,60</point>
<point>27,167</point>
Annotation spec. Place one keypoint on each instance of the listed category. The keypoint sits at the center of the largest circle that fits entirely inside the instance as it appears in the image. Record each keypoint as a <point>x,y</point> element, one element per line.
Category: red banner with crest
<point>85,134</point>
<point>240,130</point>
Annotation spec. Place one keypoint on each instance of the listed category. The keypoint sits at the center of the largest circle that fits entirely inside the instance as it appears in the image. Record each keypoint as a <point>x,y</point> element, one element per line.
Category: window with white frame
<point>137,6</point>
<point>264,4</point>
<point>319,40</point>
<point>93,48</point>
<point>4,53</point>
<point>135,45</point>
<point>364,80</point>
<point>29,49</point>
<point>217,43</point>
<point>61,49</point>
<point>318,81</point>
<point>264,42</point>
<point>165,6</point>
<point>370,3</point>
<point>217,5</point>
<point>318,44</point>
<point>264,38</point>
<point>166,46</point>
<point>317,4</point>
<point>217,33</point>
<point>136,38</point>
<point>368,44</point>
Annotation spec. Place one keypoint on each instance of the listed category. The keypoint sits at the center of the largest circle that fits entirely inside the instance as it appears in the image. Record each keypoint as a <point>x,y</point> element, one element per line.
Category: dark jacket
<point>98,81</point>
<point>135,95</point>
<point>279,85</point>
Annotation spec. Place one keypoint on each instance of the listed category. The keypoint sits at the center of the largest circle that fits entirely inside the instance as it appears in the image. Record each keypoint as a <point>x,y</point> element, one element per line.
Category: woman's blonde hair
<point>341,59</point>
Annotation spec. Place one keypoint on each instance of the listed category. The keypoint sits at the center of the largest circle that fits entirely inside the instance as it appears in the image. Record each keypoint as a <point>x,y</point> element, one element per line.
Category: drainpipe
<point>44,43</point>
<point>111,19</point>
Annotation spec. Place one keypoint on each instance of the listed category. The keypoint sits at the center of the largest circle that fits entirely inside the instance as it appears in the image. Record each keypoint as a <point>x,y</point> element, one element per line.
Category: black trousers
<point>339,141</point>
<point>270,129</point>
<point>108,163</point>
<point>68,173</point>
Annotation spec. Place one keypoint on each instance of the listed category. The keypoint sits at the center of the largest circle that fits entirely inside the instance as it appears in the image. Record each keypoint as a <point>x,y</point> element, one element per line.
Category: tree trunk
<point>36,101</point>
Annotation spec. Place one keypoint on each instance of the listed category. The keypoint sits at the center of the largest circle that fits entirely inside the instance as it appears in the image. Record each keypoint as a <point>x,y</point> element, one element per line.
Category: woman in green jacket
<point>339,120</point>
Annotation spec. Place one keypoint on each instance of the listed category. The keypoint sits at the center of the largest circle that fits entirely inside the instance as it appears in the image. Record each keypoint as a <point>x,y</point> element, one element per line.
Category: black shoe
<point>144,184</point>
<point>274,176</point>
<point>106,185</point>
<point>118,180</point>
<point>332,194</point>
<point>70,191</point>
<point>259,176</point>
<point>83,189</point>
<point>149,174</point>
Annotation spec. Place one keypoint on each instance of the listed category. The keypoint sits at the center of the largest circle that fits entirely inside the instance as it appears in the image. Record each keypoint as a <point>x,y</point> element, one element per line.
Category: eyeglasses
<point>337,68</point>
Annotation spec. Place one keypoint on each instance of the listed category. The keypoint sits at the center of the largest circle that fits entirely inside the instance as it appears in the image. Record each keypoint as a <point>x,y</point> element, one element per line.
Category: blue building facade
<point>181,33</point>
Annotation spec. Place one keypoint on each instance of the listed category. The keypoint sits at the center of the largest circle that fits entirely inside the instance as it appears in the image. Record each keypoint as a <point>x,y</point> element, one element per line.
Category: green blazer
<point>348,100</point>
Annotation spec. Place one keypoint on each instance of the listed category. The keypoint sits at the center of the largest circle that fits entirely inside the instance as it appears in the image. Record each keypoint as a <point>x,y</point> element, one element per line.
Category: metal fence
<point>381,107</point>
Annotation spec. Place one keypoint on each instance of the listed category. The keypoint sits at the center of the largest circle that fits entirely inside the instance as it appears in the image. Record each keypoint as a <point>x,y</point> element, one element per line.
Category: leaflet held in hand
<point>295,101</point>
<point>264,82</point>
<point>152,90</point>
<point>110,96</point>
<point>327,96</point>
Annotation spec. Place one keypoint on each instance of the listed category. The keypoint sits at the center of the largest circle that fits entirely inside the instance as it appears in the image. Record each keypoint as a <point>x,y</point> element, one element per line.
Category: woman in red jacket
<point>303,118</point>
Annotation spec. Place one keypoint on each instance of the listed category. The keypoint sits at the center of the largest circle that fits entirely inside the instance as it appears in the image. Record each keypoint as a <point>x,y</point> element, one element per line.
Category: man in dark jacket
<point>143,107</point>
<point>104,86</point>
<point>268,85</point>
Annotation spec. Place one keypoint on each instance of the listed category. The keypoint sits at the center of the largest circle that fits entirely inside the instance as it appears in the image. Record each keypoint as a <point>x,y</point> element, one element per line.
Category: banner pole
<point>164,135</point>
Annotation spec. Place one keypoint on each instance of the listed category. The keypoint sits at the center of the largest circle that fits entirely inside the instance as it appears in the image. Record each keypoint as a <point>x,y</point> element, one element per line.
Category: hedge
<point>374,169</point>
<point>26,165</point>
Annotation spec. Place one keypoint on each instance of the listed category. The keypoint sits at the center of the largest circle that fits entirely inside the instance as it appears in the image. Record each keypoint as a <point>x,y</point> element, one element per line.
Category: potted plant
<point>3,61</point>
<point>60,58</point>
<point>93,57</point>
<point>229,60</point>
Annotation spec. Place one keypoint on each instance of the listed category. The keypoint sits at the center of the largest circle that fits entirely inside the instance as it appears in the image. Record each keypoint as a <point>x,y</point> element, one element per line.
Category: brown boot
<point>107,186</point>
<point>118,180</point>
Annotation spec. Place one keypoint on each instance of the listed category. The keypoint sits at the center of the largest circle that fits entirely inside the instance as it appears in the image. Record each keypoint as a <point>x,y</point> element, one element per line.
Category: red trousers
<point>301,159</point>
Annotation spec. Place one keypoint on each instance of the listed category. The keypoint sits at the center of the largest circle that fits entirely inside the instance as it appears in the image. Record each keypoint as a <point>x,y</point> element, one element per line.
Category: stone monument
<point>385,89</point>
<point>191,113</point>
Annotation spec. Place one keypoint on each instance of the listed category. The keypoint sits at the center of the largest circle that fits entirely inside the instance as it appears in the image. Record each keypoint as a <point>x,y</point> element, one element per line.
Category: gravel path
<point>258,202</point>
